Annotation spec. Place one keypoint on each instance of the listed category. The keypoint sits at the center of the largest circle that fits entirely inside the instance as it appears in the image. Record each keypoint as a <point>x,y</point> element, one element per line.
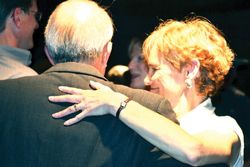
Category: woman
<point>137,66</point>
<point>187,62</point>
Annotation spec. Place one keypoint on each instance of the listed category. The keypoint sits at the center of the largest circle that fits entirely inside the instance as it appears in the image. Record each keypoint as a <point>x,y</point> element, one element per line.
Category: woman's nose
<point>147,80</point>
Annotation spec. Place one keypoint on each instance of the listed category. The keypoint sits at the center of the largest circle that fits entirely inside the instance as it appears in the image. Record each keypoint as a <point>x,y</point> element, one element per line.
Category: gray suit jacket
<point>29,136</point>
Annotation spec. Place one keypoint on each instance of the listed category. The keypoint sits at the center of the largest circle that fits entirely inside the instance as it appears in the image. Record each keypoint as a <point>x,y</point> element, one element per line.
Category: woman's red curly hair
<point>195,38</point>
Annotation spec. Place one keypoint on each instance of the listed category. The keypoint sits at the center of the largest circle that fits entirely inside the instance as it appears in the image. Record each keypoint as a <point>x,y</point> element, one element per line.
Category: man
<point>18,20</point>
<point>78,41</point>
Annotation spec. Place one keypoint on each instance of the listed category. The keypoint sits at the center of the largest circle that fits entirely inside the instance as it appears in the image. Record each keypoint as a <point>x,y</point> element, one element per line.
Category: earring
<point>188,82</point>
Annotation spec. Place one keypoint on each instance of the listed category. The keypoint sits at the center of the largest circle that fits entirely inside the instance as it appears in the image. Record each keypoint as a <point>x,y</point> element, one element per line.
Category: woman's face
<point>164,79</point>
<point>137,67</point>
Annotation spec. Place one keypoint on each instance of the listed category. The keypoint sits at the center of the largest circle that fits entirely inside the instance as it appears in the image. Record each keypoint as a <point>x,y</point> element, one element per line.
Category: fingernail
<point>55,115</point>
<point>66,123</point>
<point>60,87</point>
<point>50,97</point>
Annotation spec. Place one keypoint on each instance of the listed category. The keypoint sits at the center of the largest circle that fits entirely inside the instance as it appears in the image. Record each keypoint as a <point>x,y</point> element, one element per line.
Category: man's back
<point>31,137</point>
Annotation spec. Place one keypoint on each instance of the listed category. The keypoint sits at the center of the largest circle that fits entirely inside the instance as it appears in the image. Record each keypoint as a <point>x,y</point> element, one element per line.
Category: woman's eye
<point>139,58</point>
<point>154,69</point>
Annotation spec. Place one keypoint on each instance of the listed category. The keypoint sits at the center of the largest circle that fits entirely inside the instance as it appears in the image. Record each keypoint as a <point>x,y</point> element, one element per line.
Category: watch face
<point>123,104</point>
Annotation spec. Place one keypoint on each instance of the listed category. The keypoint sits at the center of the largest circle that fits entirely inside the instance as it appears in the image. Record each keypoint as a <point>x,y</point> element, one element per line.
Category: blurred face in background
<point>137,67</point>
<point>28,25</point>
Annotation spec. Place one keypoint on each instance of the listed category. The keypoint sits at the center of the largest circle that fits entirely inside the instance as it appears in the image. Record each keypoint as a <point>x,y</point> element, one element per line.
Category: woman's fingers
<point>70,90</point>
<point>93,108</point>
<point>66,98</point>
<point>72,109</point>
<point>97,85</point>
<point>76,119</point>
<point>86,102</point>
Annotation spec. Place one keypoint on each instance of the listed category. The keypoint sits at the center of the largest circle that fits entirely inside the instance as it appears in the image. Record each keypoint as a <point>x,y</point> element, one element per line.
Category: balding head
<point>77,31</point>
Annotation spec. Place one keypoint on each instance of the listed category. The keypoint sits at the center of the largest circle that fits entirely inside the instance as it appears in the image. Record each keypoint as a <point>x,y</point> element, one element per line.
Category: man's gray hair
<point>77,31</point>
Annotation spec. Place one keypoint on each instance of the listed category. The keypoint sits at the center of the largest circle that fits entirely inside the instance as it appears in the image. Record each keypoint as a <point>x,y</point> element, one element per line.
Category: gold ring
<point>75,107</point>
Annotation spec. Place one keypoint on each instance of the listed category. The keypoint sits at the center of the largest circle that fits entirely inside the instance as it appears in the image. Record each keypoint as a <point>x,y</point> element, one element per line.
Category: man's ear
<point>16,17</point>
<point>48,55</point>
<point>106,52</point>
<point>192,69</point>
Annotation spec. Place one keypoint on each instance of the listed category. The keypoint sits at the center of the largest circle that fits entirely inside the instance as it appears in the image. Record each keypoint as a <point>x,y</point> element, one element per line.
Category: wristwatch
<point>122,106</point>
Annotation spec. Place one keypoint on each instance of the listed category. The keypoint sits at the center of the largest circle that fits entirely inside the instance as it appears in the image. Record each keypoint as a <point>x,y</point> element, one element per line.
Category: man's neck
<point>99,66</point>
<point>8,39</point>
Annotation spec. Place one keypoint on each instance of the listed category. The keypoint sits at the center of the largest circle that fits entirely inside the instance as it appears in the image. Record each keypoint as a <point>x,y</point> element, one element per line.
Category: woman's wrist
<point>122,106</point>
<point>116,103</point>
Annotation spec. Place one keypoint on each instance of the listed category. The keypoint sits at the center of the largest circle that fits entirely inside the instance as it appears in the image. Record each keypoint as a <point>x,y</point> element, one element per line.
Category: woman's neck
<point>187,102</point>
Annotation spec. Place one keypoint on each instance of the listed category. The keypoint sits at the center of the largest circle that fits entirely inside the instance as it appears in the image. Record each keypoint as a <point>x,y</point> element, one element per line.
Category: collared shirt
<point>204,118</point>
<point>14,63</point>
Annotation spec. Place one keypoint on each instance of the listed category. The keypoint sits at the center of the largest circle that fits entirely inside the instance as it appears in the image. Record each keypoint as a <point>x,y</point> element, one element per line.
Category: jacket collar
<point>77,68</point>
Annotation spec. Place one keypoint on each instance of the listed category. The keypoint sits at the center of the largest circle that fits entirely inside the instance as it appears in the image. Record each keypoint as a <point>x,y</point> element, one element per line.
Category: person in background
<point>18,21</point>
<point>137,66</point>
<point>134,74</point>
<point>187,63</point>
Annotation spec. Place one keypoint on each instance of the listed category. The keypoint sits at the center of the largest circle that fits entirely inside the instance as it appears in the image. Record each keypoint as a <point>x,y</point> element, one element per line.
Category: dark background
<point>139,17</point>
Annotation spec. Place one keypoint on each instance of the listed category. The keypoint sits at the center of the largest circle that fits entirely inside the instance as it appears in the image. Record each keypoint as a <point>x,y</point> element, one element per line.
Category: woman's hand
<point>88,102</point>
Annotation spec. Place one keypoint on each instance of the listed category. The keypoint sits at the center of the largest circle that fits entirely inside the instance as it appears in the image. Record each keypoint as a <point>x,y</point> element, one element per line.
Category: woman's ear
<point>48,55</point>
<point>192,69</point>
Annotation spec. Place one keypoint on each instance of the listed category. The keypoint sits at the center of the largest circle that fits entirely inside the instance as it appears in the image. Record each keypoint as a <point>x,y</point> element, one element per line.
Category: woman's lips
<point>154,90</point>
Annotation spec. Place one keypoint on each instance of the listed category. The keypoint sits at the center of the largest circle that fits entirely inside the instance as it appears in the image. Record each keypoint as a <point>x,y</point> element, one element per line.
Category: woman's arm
<point>200,149</point>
